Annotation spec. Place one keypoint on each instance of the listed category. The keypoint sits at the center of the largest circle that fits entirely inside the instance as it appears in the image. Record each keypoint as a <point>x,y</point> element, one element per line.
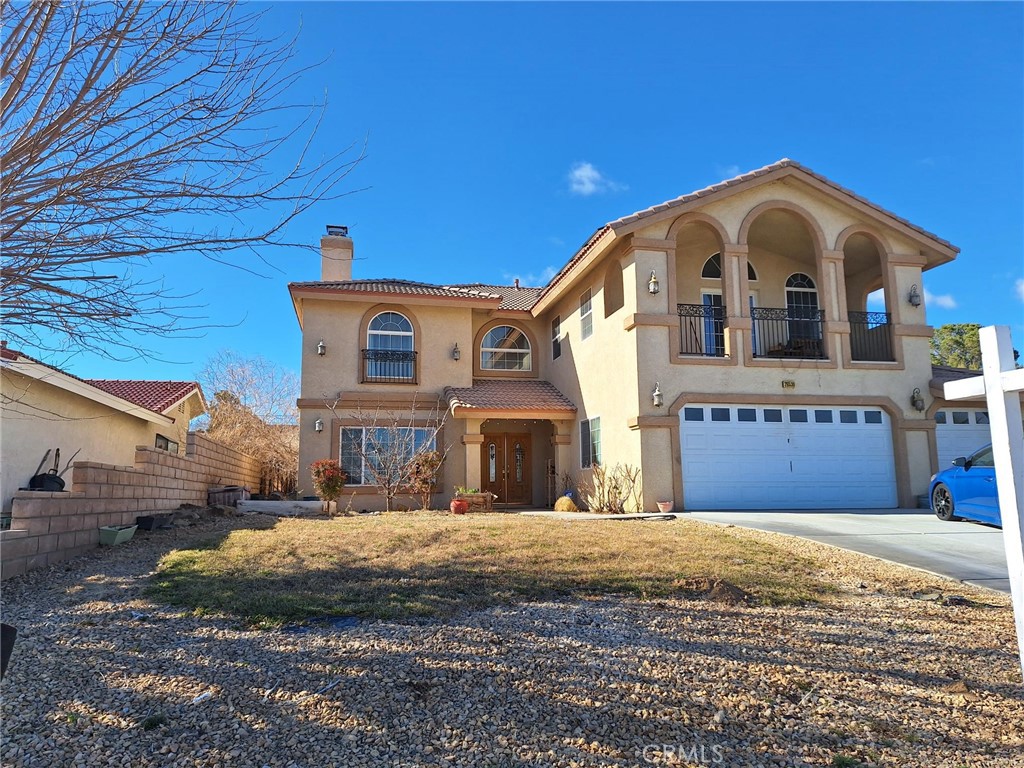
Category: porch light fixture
<point>656,397</point>
<point>914,297</point>
<point>916,400</point>
<point>456,352</point>
<point>652,284</point>
<point>321,348</point>
<point>318,425</point>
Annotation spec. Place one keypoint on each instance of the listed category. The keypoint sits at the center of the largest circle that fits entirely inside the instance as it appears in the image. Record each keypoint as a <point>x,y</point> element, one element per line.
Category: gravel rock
<point>101,676</point>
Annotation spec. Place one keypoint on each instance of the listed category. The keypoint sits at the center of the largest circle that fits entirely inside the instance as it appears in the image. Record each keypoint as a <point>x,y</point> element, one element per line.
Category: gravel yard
<point>103,676</point>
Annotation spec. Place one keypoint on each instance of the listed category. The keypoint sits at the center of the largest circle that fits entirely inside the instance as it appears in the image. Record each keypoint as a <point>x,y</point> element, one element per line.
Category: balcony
<point>389,366</point>
<point>701,330</point>
<point>871,336</point>
<point>793,332</point>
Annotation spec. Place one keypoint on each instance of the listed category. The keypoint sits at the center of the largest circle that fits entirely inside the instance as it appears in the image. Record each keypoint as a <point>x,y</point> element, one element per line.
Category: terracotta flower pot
<point>665,506</point>
<point>459,507</point>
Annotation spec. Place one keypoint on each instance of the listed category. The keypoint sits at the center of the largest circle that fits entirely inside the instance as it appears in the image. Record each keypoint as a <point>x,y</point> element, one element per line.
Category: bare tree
<point>131,130</point>
<point>253,409</point>
<point>393,447</point>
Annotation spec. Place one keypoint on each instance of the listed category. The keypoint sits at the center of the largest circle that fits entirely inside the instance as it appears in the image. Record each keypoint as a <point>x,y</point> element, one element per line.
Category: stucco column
<point>653,255</point>
<point>561,440</point>
<point>832,299</point>
<point>735,290</point>
<point>472,440</point>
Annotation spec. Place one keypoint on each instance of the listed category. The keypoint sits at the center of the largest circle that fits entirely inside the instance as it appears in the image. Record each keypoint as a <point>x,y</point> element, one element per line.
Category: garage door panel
<point>960,432</point>
<point>827,461</point>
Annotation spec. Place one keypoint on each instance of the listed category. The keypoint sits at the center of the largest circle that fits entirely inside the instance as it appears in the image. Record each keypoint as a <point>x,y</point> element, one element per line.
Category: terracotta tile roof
<point>509,395</point>
<point>154,395</point>
<point>714,188</point>
<point>401,287</point>
<point>783,163</point>
<point>511,296</point>
<point>149,391</point>
<point>941,374</point>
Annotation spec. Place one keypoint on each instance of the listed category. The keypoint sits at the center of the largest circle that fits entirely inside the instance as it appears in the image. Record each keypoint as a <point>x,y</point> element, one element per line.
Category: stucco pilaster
<point>472,440</point>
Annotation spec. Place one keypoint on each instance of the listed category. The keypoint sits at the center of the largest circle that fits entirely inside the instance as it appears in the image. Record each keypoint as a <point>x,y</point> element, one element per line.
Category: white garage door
<point>960,432</point>
<point>786,457</point>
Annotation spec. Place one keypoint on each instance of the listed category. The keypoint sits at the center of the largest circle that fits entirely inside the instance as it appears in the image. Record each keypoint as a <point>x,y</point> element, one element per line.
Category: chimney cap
<point>337,230</point>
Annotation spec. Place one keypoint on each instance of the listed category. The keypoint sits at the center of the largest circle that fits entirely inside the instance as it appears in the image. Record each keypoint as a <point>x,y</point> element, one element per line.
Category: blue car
<point>967,490</point>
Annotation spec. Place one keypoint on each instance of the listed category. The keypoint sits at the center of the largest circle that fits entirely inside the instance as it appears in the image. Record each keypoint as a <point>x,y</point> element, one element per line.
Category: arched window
<point>802,307</point>
<point>505,348</point>
<point>713,269</point>
<point>390,354</point>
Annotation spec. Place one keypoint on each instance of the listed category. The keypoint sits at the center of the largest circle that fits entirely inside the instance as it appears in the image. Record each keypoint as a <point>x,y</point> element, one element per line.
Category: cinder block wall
<point>47,527</point>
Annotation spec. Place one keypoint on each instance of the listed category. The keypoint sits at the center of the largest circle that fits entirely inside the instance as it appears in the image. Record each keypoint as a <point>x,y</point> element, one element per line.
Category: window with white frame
<point>505,348</point>
<point>586,315</point>
<point>590,442</point>
<point>390,346</point>
<point>366,451</point>
<point>556,338</point>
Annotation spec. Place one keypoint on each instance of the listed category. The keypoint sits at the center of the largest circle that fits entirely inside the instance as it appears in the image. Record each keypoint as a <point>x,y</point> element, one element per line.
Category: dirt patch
<point>716,590</point>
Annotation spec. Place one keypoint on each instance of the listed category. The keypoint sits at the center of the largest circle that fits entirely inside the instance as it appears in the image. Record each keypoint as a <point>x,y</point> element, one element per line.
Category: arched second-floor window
<point>390,348</point>
<point>505,348</point>
<point>802,306</point>
<point>712,269</point>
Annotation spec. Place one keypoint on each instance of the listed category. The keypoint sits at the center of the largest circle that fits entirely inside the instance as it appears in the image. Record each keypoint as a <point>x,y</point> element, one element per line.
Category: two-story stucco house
<point>722,342</point>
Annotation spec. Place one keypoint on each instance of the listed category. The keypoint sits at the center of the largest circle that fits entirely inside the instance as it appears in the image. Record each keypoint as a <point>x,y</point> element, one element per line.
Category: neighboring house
<point>722,342</point>
<point>46,408</point>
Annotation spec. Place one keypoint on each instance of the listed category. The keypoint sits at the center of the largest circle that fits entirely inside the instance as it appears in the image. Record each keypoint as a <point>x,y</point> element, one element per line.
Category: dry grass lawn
<point>404,565</point>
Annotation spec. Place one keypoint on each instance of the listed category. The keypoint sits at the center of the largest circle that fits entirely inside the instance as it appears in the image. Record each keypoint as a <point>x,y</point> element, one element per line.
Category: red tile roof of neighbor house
<point>509,395</point>
<point>154,395</point>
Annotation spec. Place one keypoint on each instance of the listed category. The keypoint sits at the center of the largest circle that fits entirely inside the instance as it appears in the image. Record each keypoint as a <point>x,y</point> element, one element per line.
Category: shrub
<point>422,472</point>
<point>565,504</point>
<point>328,480</point>
<point>613,490</point>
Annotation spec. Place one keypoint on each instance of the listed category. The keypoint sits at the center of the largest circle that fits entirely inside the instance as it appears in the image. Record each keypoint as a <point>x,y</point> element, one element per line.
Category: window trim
<point>364,337</point>
<point>587,318</point>
<point>527,353</point>
<point>589,457</point>
<point>519,325</point>
<point>340,430</point>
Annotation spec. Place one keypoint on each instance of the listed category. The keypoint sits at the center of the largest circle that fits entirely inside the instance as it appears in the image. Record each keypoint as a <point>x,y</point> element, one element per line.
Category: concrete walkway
<point>968,552</point>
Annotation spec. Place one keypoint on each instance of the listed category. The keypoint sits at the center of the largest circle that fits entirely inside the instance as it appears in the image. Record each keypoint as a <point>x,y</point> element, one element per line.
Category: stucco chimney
<point>336,253</point>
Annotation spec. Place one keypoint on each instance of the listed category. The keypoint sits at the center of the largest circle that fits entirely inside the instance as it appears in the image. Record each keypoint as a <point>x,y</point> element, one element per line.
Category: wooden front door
<point>506,469</point>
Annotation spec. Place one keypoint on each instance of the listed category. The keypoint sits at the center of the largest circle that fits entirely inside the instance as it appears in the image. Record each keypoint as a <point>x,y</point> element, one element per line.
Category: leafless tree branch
<point>131,130</point>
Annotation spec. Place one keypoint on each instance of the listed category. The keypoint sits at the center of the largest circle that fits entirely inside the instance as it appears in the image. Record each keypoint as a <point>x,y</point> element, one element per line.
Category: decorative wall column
<point>473,440</point>
<point>832,299</point>
<point>561,440</point>
<point>735,290</point>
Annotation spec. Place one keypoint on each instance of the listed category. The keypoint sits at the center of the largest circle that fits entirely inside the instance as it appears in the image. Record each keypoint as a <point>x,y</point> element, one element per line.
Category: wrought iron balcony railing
<point>871,336</point>
<point>389,366</point>
<point>701,330</point>
<point>795,332</point>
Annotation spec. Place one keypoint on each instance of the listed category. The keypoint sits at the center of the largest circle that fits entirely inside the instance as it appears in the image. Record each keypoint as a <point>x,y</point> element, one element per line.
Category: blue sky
<point>500,136</point>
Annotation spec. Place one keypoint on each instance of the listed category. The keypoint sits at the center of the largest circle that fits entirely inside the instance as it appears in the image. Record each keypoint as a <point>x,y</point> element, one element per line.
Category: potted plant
<point>328,481</point>
<point>459,506</point>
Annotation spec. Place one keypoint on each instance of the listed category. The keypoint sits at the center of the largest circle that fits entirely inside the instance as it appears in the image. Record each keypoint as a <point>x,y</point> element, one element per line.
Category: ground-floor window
<point>369,451</point>
<point>590,442</point>
<point>165,443</point>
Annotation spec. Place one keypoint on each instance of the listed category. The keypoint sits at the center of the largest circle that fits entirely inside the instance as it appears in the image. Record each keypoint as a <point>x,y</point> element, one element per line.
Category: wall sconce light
<point>656,397</point>
<point>321,348</point>
<point>652,284</point>
<point>456,352</point>
<point>318,425</point>
<point>916,400</point>
<point>914,297</point>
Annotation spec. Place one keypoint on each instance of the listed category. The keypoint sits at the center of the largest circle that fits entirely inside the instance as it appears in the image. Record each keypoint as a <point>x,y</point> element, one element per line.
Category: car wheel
<point>942,502</point>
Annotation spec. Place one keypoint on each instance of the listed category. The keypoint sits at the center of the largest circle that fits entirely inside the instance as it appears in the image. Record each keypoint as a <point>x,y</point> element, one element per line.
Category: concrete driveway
<point>968,552</point>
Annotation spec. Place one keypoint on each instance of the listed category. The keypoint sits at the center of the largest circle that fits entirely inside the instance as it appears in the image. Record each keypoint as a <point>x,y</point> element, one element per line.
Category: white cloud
<point>877,298</point>
<point>1019,285</point>
<point>727,171</point>
<point>945,300</point>
<point>531,280</point>
<point>586,180</point>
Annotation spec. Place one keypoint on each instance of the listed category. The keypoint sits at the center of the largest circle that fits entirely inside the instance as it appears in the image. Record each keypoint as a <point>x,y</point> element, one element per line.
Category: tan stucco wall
<point>37,416</point>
